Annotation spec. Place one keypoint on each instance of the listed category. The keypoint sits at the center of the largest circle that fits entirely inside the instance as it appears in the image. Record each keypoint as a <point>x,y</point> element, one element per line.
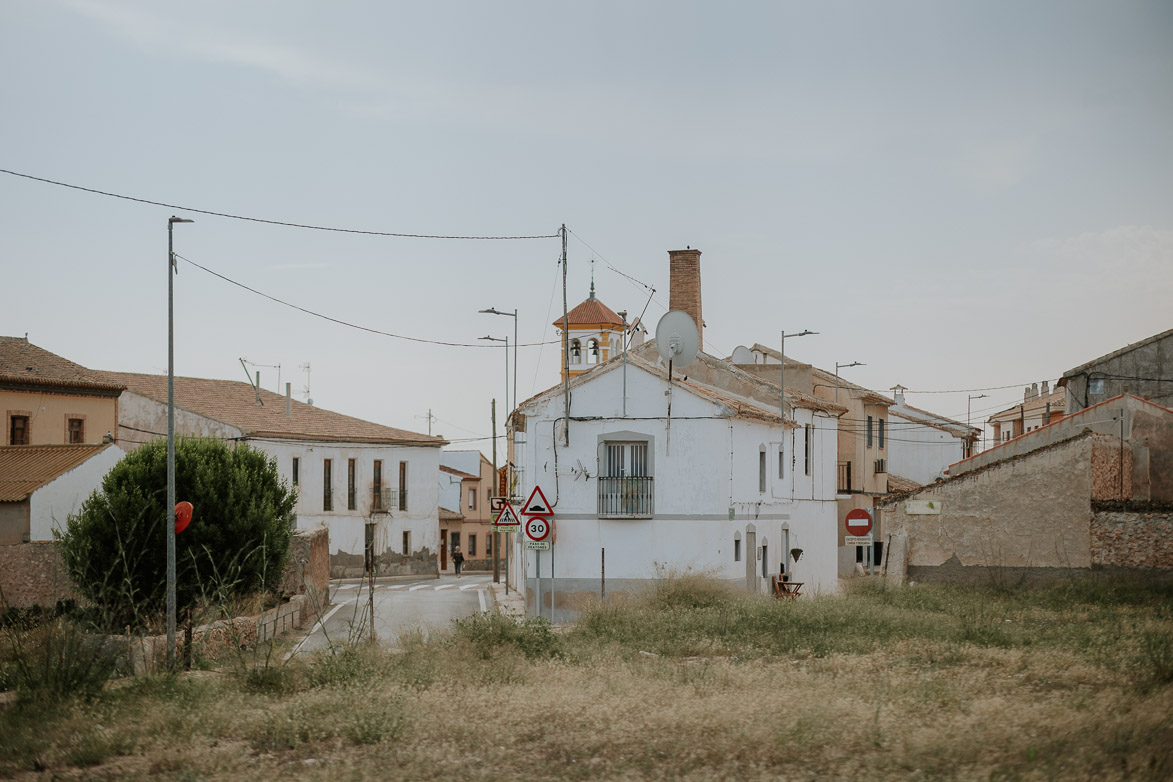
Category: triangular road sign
<point>507,517</point>
<point>537,504</point>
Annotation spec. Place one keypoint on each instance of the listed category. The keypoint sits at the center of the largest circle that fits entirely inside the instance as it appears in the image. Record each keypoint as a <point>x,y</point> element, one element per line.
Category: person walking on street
<point>458,560</point>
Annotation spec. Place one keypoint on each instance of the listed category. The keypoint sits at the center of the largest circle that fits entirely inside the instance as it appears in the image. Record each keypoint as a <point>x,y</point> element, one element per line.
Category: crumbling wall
<point>389,563</point>
<point>1111,468</point>
<point>33,574</point>
<point>1132,539</point>
<point>308,570</point>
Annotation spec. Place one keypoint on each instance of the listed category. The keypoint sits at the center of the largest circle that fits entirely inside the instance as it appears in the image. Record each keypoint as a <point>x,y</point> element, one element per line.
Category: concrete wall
<point>51,505</point>
<point>146,415</point>
<point>1135,372</point>
<point>49,413</point>
<point>14,522</point>
<point>1019,521</point>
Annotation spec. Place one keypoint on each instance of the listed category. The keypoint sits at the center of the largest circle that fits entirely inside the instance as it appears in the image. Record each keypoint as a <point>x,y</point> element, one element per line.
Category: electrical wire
<point>267,222</point>
<point>347,323</point>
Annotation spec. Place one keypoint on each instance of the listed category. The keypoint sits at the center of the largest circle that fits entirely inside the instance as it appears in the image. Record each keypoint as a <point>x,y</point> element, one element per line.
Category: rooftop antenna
<point>677,342</point>
<point>306,368</point>
<point>265,366</point>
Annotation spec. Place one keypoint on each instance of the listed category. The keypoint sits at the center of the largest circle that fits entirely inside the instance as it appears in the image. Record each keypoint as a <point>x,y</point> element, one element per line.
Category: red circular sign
<point>183,511</point>
<point>858,522</point>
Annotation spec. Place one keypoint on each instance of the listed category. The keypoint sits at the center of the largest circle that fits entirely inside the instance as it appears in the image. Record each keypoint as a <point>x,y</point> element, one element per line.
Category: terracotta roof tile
<point>591,311</point>
<point>23,363</point>
<point>26,468</point>
<point>459,474</point>
<point>234,403</point>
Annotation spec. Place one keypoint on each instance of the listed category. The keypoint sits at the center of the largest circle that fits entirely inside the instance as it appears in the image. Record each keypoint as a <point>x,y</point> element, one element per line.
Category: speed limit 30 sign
<point>537,527</point>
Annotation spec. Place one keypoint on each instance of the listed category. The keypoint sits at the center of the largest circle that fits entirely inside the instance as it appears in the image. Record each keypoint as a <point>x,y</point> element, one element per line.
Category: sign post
<point>539,523</point>
<point>858,524</point>
<point>506,521</point>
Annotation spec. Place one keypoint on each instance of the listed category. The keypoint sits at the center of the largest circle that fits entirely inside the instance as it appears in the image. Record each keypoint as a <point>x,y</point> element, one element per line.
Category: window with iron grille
<point>882,433</point>
<point>626,487</point>
<point>351,499</point>
<point>75,430</point>
<point>869,431</point>
<point>327,485</point>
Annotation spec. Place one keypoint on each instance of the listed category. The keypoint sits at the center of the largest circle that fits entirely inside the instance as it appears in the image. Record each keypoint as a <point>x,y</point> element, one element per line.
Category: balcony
<point>626,498</point>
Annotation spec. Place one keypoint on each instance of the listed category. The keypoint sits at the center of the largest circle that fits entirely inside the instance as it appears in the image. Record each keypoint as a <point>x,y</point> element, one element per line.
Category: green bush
<point>237,543</point>
<point>487,632</point>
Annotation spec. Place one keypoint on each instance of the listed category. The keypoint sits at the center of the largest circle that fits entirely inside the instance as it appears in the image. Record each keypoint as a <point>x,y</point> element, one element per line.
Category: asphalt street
<point>426,604</point>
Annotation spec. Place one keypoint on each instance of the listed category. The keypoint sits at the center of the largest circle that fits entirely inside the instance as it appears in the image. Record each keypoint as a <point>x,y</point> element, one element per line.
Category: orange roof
<point>592,311</point>
<point>234,403</point>
<point>26,468</point>
<point>24,364</point>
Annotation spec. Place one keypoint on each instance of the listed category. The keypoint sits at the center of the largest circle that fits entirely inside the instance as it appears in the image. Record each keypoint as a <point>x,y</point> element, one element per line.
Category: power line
<point>262,220</point>
<point>343,322</point>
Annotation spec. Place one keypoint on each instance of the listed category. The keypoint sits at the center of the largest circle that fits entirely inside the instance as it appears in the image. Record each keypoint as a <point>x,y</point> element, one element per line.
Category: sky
<point>966,197</point>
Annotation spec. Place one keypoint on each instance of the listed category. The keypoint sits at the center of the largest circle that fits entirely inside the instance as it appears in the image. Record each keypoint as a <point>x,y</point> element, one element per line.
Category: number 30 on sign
<point>537,528</point>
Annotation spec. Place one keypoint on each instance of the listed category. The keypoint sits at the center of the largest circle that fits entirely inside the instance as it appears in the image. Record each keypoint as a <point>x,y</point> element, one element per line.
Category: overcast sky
<point>964,195</point>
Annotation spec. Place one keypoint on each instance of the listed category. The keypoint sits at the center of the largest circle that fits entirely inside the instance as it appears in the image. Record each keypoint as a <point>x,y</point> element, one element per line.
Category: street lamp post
<point>839,366</point>
<point>968,405</point>
<point>804,333</point>
<point>495,311</point>
<point>496,535</point>
<point>169,519</point>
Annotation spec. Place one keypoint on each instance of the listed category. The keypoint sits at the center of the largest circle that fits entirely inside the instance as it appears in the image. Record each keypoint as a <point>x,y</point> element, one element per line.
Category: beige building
<point>466,485</point>
<point>49,400</point>
<point>1037,409</point>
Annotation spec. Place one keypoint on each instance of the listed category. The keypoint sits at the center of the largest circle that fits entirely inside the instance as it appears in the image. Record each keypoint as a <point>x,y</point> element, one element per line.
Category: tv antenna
<point>306,368</point>
<point>265,366</point>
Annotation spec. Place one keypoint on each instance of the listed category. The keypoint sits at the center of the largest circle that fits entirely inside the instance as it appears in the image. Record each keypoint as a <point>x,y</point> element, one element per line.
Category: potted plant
<point>795,554</point>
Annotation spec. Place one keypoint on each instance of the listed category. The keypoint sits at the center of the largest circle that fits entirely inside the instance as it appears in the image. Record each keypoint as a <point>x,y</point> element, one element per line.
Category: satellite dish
<point>742,355</point>
<point>677,339</point>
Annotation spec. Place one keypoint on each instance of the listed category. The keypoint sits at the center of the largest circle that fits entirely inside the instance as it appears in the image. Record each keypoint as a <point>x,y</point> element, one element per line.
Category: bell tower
<point>594,331</point>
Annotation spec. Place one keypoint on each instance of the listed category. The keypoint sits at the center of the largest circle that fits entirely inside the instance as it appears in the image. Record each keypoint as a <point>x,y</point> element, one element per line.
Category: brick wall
<point>33,574</point>
<point>1130,539</point>
<point>684,285</point>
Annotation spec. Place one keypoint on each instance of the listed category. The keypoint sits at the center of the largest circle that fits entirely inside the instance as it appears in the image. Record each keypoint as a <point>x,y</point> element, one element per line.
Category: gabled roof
<point>449,515</point>
<point>26,468</point>
<point>462,475</point>
<point>24,364</point>
<point>898,484</point>
<point>233,403</point>
<point>592,311</point>
<point>1114,354</point>
<point>772,353</point>
<point>915,414</point>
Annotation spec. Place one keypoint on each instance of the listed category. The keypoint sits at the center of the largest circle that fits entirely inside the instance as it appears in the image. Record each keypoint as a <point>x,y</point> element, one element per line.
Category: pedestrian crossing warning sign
<point>537,504</point>
<point>507,517</point>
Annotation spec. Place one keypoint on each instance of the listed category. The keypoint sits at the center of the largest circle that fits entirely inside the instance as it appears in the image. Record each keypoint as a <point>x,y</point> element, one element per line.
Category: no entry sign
<point>858,522</point>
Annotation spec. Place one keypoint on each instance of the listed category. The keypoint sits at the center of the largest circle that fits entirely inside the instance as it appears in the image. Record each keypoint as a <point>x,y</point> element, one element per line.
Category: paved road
<point>426,604</point>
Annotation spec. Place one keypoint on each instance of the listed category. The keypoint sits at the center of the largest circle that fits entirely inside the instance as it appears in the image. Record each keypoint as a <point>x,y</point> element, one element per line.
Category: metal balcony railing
<point>626,498</point>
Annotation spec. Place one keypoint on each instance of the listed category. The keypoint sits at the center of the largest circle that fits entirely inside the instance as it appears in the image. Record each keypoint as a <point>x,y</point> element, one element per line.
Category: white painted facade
<point>51,505</point>
<point>711,511</point>
<point>141,418</point>
<point>921,445</point>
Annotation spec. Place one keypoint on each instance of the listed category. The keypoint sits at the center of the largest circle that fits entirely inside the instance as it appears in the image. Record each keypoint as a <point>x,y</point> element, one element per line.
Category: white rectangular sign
<point>857,540</point>
<point>537,545</point>
<point>923,507</point>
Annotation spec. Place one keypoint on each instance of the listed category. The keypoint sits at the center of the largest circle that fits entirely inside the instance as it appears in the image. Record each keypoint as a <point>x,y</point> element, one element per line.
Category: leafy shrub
<point>115,547</point>
<point>57,659</point>
<point>487,632</point>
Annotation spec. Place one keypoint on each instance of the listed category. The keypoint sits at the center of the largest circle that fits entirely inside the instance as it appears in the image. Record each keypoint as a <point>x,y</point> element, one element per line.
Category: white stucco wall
<point>920,452</point>
<point>51,505</point>
<point>347,532</point>
<point>705,468</point>
<point>149,419</point>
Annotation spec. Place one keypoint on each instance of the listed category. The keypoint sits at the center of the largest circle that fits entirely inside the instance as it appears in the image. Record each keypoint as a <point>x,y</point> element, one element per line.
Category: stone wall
<point>1111,468</point>
<point>389,563</point>
<point>1131,539</point>
<point>33,574</point>
<point>1022,520</point>
<point>308,570</point>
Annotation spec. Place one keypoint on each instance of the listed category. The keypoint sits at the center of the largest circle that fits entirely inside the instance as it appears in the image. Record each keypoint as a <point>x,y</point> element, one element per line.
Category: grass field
<point>686,682</point>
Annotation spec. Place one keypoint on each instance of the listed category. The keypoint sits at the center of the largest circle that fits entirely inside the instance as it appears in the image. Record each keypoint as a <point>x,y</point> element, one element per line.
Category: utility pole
<point>496,534</point>
<point>565,348</point>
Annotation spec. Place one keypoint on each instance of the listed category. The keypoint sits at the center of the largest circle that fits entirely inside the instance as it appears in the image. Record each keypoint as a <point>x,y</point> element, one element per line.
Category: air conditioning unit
<point>881,465</point>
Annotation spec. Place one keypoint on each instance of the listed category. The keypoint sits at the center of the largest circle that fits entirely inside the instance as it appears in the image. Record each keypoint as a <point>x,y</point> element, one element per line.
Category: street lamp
<point>805,333</point>
<point>506,341</point>
<point>169,520</point>
<point>495,311</point>
<point>968,404</point>
<point>839,366</point>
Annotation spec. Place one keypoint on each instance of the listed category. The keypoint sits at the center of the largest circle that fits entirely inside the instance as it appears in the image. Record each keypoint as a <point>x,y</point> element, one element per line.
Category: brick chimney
<point>684,286</point>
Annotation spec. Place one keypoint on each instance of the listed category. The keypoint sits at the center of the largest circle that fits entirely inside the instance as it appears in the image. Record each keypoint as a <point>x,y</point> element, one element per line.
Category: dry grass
<point>686,683</point>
